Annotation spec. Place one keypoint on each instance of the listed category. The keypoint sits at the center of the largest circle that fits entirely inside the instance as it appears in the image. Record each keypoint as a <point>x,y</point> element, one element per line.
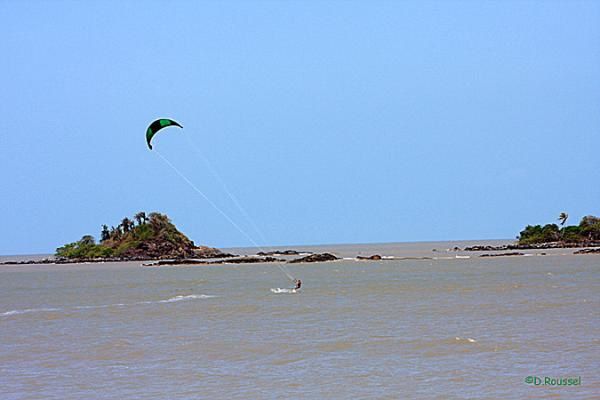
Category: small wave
<point>101,306</point>
<point>29,310</point>
<point>188,297</point>
<point>92,307</point>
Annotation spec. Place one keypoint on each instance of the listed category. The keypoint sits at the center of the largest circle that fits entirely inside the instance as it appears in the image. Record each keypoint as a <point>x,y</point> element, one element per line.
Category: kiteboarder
<point>298,284</point>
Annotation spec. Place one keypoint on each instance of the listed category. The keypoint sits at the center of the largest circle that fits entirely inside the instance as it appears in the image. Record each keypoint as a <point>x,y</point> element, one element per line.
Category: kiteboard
<point>284,291</point>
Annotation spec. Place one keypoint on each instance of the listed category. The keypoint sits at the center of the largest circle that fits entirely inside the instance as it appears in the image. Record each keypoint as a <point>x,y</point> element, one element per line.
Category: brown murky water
<point>427,329</point>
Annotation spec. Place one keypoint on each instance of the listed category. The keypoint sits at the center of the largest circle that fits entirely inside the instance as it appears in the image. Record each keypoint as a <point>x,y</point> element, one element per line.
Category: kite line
<point>220,211</point>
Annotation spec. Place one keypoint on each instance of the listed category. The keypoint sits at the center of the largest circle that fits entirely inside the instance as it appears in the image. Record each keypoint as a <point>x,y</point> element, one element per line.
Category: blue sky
<point>331,122</point>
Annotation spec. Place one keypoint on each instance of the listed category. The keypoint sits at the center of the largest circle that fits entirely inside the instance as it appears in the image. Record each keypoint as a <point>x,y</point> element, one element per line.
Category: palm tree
<point>126,223</point>
<point>105,235</point>
<point>115,233</point>
<point>563,217</point>
<point>140,218</point>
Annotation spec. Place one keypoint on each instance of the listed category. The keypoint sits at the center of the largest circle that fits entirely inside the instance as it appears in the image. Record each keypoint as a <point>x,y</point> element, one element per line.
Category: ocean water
<point>444,328</point>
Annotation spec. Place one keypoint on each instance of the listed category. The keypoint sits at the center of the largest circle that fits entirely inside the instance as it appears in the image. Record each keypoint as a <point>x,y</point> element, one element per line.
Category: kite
<point>156,126</point>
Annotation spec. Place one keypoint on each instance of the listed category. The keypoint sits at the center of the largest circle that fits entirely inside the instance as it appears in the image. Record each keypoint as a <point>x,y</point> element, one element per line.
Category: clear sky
<point>331,122</point>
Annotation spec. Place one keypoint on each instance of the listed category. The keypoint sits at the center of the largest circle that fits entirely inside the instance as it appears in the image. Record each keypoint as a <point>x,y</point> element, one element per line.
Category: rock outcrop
<point>514,253</point>
<point>315,258</point>
<point>282,253</point>
<point>374,257</point>
<point>210,252</point>
<point>588,251</point>
<point>235,260</point>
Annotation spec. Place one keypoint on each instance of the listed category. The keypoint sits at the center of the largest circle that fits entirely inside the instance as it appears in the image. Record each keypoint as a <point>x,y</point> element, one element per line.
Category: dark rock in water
<point>281,253</point>
<point>487,248</point>
<point>514,253</point>
<point>27,262</point>
<point>315,258</point>
<point>375,257</point>
<point>176,262</point>
<point>249,260</point>
<point>240,260</point>
<point>210,252</point>
<point>60,260</point>
<point>588,251</point>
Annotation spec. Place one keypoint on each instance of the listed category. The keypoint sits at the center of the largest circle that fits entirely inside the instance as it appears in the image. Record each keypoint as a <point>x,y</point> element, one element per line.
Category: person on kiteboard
<point>298,284</point>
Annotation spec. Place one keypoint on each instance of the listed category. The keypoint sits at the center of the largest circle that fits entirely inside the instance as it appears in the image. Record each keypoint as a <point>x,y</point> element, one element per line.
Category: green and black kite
<point>157,126</point>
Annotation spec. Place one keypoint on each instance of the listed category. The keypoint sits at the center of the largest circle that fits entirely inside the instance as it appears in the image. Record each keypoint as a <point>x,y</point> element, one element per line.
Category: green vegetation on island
<point>149,236</point>
<point>586,232</point>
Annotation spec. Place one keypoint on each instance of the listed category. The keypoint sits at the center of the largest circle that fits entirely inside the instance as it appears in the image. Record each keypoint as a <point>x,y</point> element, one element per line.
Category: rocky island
<point>154,238</point>
<point>143,238</point>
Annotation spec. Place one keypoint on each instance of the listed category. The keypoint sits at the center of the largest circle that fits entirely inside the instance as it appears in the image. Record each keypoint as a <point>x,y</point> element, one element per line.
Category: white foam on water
<point>283,290</point>
<point>101,306</point>
<point>188,297</point>
<point>48,309</point>
<point>28,310</point>
<point>92,307</point>
<point>470,340</point>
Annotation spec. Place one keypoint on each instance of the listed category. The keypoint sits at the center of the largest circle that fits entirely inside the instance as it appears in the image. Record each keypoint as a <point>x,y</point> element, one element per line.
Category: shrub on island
<point>588,230</point>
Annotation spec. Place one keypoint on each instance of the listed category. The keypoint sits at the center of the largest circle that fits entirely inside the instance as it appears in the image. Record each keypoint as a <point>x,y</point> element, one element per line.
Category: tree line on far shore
<point>588,230</point>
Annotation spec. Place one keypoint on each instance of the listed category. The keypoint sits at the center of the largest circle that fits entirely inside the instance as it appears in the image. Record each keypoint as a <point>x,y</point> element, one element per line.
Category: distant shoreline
<point>308,256</point>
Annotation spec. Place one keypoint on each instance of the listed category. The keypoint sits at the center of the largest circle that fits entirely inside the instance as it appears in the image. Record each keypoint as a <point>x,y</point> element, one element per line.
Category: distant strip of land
<point>153,239</point>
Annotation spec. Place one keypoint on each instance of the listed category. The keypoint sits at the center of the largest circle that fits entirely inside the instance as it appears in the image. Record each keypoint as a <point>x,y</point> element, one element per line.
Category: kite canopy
<point>157,126</point>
